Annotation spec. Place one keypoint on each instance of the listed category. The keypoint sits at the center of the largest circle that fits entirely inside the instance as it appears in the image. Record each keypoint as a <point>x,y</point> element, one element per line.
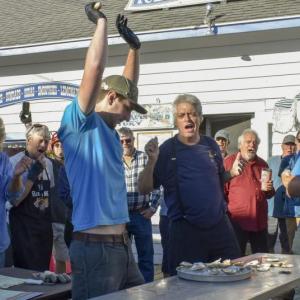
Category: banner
<point>139,5</point>
<point>37,92</point>
<point>159,116</point>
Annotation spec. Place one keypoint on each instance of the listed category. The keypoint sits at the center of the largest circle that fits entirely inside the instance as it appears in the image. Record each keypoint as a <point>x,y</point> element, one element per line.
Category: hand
<point>152,150</point>
<point>147,213</point>
<point>25,118</point>
<point>23,165</point>
<point>286,177</point>
<point>268,185</point>
<point>126,33</point>
<point>238,166</point>
<point>93,12</point>
<point>35,170</point>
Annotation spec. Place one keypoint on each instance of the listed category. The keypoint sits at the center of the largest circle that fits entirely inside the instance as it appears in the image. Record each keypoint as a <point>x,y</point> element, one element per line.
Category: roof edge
<point>158,35</point>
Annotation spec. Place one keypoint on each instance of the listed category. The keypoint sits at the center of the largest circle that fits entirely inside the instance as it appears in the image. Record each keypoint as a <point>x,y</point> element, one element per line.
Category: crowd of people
<point>95,191</point>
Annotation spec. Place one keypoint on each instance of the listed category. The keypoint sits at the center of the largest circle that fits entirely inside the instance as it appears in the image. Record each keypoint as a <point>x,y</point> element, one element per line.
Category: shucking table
<point>261,285</point>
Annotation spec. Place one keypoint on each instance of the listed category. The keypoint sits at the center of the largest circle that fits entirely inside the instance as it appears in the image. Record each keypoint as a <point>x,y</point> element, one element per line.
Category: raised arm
<point>95,61</point>
<point>145,180</point>
<point>132,66</point>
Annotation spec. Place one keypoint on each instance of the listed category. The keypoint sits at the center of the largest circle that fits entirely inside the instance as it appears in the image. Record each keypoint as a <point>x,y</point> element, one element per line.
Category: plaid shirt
<point>134,198</point>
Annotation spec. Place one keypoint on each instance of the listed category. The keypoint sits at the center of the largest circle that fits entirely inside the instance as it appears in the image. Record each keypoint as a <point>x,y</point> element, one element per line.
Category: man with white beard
<point>247,202</point>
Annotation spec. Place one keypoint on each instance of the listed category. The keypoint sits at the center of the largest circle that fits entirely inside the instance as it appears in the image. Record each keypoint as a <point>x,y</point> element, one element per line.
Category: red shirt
<point>247,203</point>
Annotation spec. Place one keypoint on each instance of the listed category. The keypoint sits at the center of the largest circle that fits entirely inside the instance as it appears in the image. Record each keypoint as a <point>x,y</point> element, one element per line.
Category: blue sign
<point>37,92</point>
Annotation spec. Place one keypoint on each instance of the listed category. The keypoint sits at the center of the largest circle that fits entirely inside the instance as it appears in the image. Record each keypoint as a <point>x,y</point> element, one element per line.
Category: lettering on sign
<point>158,116</point>
<point>37,92</point>
<point>139,5</point>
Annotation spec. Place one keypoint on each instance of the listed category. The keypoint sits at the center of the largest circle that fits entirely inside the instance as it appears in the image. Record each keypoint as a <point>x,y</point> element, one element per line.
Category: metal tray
<point>198,276</point>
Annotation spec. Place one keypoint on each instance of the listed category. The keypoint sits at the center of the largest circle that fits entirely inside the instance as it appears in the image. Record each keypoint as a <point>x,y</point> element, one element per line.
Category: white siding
<point>226,84</point>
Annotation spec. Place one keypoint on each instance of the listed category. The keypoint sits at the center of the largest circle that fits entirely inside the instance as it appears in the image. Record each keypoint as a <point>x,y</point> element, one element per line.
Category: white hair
<point>187,98</point>
<point>245,132</point>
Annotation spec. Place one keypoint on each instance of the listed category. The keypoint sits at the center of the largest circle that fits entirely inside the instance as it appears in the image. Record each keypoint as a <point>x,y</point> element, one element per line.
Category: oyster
<point>198,266</point>
<point>263,267</point>
<point>185,264</point>
<point>287,266</point>
<point>252,263</point>
<point>215,264</point>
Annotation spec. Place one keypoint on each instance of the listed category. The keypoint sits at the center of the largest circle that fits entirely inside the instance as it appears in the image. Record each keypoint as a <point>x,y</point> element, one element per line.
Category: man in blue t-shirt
<point>190,169</point>
<point>100,251</point>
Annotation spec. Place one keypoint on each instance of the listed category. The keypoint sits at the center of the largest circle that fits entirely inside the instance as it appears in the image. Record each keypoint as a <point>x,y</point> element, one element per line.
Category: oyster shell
<point>215,264</point>
<point>254,262</point>
<point>185,264</point>
<point>231,270</point>
<point>198,266</point>
<point>263,267</point>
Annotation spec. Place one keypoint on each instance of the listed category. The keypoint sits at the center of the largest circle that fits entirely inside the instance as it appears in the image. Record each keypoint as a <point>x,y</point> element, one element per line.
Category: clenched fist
<point>93,12</point>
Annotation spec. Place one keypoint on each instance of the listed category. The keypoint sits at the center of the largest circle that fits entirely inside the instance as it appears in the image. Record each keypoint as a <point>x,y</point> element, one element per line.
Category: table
<point>261,286</point>
<point>55,292</point>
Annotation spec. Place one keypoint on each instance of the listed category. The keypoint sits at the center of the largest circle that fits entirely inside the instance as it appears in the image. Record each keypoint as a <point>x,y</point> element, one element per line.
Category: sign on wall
<point>158,116</point>
<point>139,5</point>
<point>37,92</point>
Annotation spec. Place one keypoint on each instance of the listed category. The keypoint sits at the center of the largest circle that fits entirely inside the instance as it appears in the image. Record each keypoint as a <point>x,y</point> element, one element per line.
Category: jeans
<point>99,268</point>
<point>141,229</point>
<point>275,225</point>
<point>187,242</point>
<point>164,223</point>
<point>2,259</point>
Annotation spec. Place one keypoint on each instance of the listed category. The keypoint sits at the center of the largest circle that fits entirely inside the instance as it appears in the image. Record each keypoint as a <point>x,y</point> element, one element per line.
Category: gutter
<point>160,35</point>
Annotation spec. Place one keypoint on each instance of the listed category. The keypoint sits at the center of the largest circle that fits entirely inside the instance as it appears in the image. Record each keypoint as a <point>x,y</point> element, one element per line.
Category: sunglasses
<point>126,141</point>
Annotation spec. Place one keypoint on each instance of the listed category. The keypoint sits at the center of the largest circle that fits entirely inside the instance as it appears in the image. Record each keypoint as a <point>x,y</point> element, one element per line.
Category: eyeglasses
<point>126,141</point>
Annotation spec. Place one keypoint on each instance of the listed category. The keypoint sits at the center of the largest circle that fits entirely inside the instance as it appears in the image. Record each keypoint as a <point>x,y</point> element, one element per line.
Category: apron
<point>31,229</point>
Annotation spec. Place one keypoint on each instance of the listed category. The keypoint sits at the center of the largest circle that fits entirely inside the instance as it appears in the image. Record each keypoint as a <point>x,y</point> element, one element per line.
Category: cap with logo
<point>124,87</point>
<point>222,134</point>
<point>289,139</point>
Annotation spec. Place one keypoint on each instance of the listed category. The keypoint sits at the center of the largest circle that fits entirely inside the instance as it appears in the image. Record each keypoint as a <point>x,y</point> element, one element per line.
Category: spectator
<point>10,187</point>
<point>58,209</point>
<point>247,202</point>
<point>190,168</point>
<point>141,207</point>
<point>101,256</point>
<point>30,218</point>
<point>276,217</point>
<point>291,204</point>
<point>222,139</point>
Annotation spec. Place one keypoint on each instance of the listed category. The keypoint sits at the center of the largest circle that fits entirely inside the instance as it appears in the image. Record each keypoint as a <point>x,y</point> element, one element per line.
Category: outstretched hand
<point>93,12</point>
<point>238,165</point>
<point>126,33</point>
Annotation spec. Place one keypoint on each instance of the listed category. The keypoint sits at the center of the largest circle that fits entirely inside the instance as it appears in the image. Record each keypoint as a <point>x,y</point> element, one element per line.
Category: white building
<point>239,72</point>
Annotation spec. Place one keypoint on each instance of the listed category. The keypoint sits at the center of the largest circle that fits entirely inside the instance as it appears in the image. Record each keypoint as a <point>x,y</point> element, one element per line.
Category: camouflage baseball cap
<point>125,88</point>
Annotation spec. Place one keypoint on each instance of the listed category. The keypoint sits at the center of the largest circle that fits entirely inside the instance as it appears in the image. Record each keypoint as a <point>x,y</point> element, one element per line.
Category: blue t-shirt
<point>291,206</point>
<point>274,163</point>
<point>93,162</point>
<point>199,172</point>
<point>296,167</point>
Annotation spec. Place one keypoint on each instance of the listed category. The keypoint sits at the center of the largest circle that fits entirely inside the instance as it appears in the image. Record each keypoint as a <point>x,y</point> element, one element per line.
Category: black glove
<point>25,118</point>
<point>35,170</point>
<point>93,14</point>
<point>126,33</point>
